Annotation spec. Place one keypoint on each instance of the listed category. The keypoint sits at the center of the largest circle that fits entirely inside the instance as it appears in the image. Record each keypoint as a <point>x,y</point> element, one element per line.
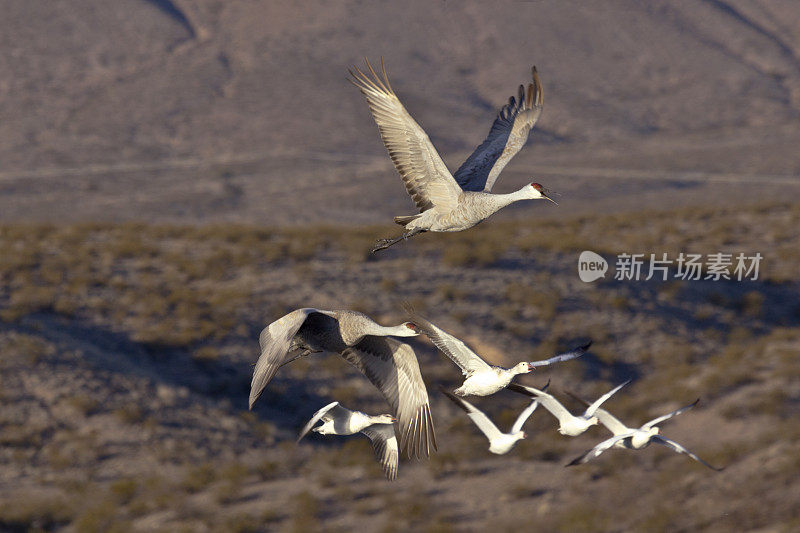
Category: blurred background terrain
<point>174,175</point>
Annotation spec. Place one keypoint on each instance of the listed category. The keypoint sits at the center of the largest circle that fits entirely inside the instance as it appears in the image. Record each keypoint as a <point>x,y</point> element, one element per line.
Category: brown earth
<point>174,175</point>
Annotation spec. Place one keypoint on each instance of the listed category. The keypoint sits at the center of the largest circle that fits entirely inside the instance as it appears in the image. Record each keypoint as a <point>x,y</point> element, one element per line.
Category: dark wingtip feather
<point>521,390</point>
<point>376,77</point>
<point>537,86</point>
<point>385,76</point>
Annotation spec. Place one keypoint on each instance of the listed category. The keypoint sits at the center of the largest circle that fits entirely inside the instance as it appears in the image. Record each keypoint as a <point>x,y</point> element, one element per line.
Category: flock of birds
<point>447,202</point>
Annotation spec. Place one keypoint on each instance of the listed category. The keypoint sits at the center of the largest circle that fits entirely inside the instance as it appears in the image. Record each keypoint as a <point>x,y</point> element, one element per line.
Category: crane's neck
<point>499,201</point>
<point>395,331</point>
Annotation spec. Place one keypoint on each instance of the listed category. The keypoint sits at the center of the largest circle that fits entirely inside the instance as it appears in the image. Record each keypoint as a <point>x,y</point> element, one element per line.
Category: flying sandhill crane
<point>481,378</point>
<point>388,363</point>
<point>635,438</point>
<point>568,424</point>
<point>450,202</point>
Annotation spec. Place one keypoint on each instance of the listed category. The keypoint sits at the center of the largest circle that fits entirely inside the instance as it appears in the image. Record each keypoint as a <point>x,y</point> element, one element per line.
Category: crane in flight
<point>450,202</point>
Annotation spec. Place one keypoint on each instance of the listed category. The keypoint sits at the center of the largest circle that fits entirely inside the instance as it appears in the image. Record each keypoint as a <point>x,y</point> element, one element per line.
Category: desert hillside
<point>194,111</point>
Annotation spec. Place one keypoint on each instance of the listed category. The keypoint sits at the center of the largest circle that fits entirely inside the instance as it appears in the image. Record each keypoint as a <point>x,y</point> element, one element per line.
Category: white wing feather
<point>478,417</point>
<point>596,405</point>
<point>523,416</point>
<point>449,345</point>
<point>666,417</point>
<point>384,442</point>
<point>331,411</point>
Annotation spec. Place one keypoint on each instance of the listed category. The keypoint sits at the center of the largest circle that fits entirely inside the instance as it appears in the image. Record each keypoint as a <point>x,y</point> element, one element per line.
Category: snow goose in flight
<point>447,202</point>
<point>338,420</point>
<point>635,438</point>
<point>482,379</point>
<point>499,442</point>
<point>569,424</point>
<point>388,363</point>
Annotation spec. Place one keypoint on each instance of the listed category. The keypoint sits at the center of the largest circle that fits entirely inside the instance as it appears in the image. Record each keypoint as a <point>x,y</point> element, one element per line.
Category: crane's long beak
<point>547,197</point>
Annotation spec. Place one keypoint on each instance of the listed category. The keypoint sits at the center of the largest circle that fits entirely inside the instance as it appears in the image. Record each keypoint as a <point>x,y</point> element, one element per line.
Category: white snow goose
<point>499,443</point>
<point>569,424</point>
<point>388,363</point>
<point>482,379</point>
<point>338,420</point>
<point>635,438</point>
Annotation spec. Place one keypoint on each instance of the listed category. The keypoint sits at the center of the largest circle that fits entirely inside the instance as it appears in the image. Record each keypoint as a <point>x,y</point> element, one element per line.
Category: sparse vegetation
<point>83,305</point>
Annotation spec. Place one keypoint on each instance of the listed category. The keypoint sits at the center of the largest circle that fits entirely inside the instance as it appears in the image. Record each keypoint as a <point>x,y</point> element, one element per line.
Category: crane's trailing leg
<point>382,244</point>
<point>304,353</point>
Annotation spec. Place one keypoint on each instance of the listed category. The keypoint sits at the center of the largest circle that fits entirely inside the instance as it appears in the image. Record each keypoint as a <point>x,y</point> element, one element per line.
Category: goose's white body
<point>505,442</point>
<point>338,420</point>
<point>499,443</point>
<point>635,438</point>
<point>568,424</point>
<point>490,380</point>
<point>354,423</point>
<point>481,378</point>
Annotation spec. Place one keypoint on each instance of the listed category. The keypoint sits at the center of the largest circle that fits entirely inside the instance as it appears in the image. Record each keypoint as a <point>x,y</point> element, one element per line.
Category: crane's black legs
<point>382,244</point>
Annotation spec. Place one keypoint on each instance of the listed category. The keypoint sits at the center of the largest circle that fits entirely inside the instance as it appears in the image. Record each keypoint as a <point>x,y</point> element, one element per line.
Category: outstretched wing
<point>275,341</point>
<point>596,405</point>
<point>332,410</point>
<point>663,418</point>
<point>453,348</point>
<point>478,417</point>
<point>509,132</point>
<point>384,442</point>
<point>674,446</point>
<point>425,175</point>
<point>565,356</point>
<point>547,400</point>
<point>600,448</point>
<point>393,368</point>
<point>524,416</point>
<point>610,421</point>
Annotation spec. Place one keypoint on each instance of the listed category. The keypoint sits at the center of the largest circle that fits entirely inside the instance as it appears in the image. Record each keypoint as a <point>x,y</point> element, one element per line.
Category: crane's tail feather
<point>403,220</point>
